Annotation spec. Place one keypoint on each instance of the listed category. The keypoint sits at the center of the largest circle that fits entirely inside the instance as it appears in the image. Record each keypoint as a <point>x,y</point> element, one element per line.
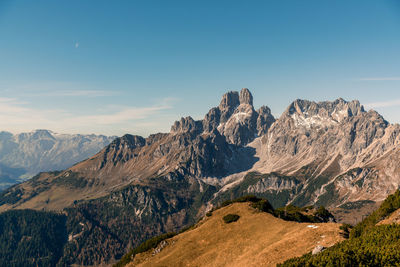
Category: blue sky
<point>116,67</point>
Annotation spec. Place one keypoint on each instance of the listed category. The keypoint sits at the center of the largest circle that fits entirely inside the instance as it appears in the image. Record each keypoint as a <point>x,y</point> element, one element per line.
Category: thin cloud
<point>58,89</point>
<point>19,117</point>
<point>87,93</point>
<point>76,45</point>
<point>7,100</point>
<point>125,115</point>
<point>383,104</point>
<point>380,79</point>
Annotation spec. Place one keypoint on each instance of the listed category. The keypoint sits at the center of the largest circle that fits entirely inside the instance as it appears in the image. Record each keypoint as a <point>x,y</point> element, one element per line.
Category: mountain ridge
<point>193,147</point>
<point>327,153</point>
<point>24,155</point>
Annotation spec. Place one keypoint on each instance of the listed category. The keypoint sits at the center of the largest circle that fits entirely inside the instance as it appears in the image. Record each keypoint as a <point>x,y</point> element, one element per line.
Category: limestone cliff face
<point>318,142</point>
<point>236,119</point>
<point>309,131</point>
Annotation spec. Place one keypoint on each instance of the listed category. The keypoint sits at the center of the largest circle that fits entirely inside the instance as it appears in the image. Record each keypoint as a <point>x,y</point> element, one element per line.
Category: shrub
<point>324,215</point>
<point>288,213</point>
<point>305,214</point>
<point>231,218</point>
<point>263,205</point>
<point>346,230</point>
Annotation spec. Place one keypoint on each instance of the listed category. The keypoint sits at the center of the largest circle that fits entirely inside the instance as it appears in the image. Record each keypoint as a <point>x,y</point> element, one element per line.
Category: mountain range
<point>24,155</point>
<point>331,153</point>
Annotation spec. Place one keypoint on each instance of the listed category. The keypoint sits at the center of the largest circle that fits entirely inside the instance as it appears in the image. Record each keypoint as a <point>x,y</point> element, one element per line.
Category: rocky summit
<point>335,154</point>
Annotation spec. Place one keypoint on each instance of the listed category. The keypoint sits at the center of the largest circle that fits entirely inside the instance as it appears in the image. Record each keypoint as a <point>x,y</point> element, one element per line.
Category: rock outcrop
<point>318,249</point>
<point>236,119</point>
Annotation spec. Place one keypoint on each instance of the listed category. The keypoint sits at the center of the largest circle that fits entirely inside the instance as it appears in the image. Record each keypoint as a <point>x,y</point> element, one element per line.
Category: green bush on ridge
<point>229,218</point>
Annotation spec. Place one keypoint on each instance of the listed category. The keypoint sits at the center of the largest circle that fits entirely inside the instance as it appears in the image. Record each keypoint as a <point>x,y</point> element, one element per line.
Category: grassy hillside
<point>377,247</point>
<point>371,242</point>
<point>255,239</point>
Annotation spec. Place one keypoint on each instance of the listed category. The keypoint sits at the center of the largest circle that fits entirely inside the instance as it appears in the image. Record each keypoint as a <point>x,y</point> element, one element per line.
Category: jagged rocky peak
<point>264,120</point>
<point>155,138</point>
<point>121,149</point>
<point>187,124</point>
<point>128,141</point>
<point>236,119</point>
<point>211,120</point>
<point>246,97</point>
<point>325,108</point>
<point>309,113</point>
<point>42,133</point>
<point>352,108</point>
<point>36,134</point>
<point>229,100</point>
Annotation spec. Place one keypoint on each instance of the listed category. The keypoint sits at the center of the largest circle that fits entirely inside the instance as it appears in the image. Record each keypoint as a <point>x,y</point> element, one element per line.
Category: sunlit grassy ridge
<point>369,244</point>
<point>256,238</point>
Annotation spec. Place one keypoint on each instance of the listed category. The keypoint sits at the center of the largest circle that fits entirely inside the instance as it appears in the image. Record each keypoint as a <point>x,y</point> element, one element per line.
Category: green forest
<point>31,238</point>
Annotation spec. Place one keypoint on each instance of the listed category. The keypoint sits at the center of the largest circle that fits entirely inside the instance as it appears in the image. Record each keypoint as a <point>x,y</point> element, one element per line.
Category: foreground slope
<point>256,239</point>
<point>373,242</point>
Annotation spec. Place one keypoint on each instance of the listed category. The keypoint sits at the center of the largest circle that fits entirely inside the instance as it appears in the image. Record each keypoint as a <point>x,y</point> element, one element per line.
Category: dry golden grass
<point>392,218</point>
<point>256,239</point>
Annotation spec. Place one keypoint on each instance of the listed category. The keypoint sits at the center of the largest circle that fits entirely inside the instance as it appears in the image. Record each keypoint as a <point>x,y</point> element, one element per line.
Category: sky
<point>116,67</point>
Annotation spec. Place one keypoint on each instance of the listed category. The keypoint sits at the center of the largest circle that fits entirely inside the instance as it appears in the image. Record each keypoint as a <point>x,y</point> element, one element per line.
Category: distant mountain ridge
<point>24,155</point>
<point>330,153</point>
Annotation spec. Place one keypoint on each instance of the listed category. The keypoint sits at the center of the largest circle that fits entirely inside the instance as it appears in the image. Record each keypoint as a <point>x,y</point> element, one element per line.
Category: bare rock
<point>318,249</point>
<point>228,105</point>
<point>212,120</point>
<point>264,120</point>
<point>236,119</point>
<point>246,97</point>
<point>187,125</point>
